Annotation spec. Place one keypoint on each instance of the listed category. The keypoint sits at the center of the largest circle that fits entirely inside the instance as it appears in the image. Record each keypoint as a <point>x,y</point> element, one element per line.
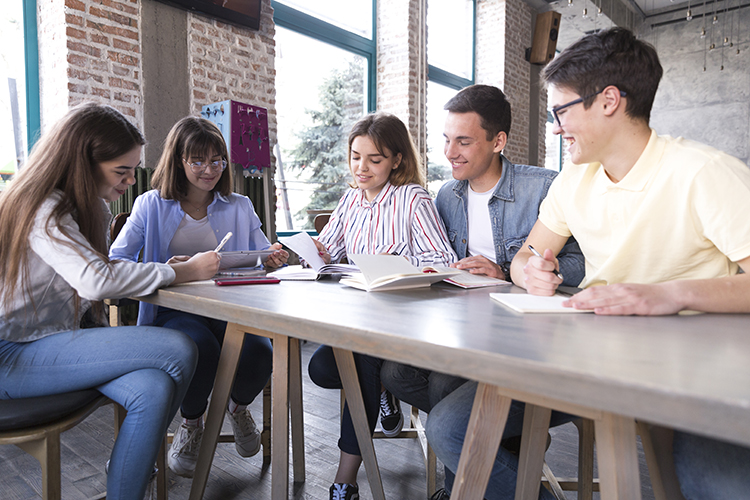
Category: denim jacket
<point>514,208</point>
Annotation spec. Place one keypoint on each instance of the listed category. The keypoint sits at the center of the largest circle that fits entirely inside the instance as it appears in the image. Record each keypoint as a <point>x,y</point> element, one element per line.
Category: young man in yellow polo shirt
<point>662,221</point>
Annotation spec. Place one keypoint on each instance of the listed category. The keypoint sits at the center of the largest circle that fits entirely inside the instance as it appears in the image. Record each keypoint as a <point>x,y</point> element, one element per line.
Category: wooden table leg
<point>531,457</point>
<point>617,454</point>
<point>234,338</point>
<point>295,406</point>
<point>280,419</point>
<point>350,381</point>
<point>488,416</point>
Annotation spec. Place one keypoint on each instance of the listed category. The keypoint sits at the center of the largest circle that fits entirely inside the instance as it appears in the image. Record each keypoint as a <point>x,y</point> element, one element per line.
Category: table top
<point>690,372</point>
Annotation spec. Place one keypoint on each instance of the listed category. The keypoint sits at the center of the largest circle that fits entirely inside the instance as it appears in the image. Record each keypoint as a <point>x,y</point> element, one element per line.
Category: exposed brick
<point>78,88</point>
<point>84,48</point>
<point>100,92</point>
<point>114,17</point>
<point>75,4</point>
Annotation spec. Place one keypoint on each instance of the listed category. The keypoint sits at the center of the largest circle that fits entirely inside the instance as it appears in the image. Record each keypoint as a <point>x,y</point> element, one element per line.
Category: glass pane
<point>438,166</point>
<point>554,157</point>
<point>351,15</point>
<point>320,93</point>
<point>12,90</point>
<point>450,36</point>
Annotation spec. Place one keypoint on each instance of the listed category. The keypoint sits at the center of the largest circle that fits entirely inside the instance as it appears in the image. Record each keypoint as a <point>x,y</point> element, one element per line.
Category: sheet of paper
<point>525,303</point>
<point>304,246</point>
<point>375,266</point>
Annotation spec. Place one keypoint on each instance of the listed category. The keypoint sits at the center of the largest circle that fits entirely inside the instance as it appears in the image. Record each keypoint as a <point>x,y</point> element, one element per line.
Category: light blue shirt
<point>154,221</point>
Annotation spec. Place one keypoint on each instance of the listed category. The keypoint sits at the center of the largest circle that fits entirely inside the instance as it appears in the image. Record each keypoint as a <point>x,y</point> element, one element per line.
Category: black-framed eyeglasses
<point>198,167</point>
<point>559,108</point>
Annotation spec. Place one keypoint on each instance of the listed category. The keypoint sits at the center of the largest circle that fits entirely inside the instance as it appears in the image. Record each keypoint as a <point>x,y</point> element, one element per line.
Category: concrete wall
<point>711,106</point>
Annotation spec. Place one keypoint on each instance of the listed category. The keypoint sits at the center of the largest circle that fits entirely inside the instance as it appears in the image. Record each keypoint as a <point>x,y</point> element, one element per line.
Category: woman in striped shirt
<point>388,210</point>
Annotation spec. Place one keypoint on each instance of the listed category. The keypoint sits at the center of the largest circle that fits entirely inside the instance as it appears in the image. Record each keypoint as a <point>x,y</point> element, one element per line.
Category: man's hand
<point>540,274</point>
<point>628,299</point>
<point>479,264</point>
<point>278,258</point>
<point>323,251</point>
<point>178,258</point>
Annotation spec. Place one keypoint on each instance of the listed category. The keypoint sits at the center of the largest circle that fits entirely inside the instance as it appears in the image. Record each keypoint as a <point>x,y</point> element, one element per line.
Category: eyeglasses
<point>198,167</point>
<point>559,108</point>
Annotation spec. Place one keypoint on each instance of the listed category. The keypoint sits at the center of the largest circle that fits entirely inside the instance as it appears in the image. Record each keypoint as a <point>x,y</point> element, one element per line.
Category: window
<point>450,68</point>
<point>325,56</point>
<point>13,135</point>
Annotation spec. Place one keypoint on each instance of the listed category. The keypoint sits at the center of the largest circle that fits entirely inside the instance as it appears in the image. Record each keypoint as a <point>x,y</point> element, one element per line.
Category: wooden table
<point>686,372</point>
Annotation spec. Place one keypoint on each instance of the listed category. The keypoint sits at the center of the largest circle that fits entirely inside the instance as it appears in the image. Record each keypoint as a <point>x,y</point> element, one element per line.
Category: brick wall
<point>400,71</point>
<point>90,51</point>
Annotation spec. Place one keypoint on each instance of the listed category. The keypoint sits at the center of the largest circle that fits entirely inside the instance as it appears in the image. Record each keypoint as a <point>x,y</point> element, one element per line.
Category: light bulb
<point>599,12</point>
<point>703,32</point>
<point>726,41</point>
<point>715,20</point>
<point>689,16</point>
<point>585,13</point>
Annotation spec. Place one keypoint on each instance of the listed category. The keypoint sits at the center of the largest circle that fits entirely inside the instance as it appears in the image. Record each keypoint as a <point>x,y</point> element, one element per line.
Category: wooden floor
<point>86,448</point>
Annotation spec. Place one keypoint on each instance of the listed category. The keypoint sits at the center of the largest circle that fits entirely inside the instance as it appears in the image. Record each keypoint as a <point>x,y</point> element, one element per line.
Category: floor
<point>86,448</point>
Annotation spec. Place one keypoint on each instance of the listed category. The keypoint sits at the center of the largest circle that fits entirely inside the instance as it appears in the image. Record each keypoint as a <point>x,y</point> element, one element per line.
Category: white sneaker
<point>246,434</point>
<point>183,453</point>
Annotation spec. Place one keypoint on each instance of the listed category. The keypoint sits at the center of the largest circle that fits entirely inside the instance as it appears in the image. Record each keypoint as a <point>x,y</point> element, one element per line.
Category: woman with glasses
<point>190,210</point>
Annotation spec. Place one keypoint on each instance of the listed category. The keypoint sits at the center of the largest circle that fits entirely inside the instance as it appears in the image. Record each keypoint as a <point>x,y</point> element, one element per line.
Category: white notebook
<point>525,303</point>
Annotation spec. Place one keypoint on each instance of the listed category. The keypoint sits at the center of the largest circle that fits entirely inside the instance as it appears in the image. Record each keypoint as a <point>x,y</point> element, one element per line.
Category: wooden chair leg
<point>296,411</point>
<point>265,435</point>
<point>162,485</point>
<point>47,451</point>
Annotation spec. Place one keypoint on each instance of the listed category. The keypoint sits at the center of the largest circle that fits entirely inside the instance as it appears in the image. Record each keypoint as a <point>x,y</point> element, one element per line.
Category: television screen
<point>241,12</point>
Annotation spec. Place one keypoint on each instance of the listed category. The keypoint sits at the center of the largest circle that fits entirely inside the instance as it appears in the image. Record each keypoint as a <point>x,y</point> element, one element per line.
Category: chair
<point>35,425</point>
<point>320,222</point>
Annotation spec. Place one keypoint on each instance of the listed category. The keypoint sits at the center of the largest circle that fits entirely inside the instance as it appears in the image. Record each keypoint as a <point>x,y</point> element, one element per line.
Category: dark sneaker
<point>440,494</point>
<point>391,418</point>
<point>341,491</point>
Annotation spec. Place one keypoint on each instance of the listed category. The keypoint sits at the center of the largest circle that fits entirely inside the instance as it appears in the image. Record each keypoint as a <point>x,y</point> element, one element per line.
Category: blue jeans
<point>145,369</point>
<point>709,469</point>
<point>417,386</point>
<point>446,428</point>
<point>253,371</point>
<point>324,372</point>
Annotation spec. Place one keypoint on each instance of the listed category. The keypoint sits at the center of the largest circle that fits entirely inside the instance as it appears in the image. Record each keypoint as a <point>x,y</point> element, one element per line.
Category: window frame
<point>452,80</point>
<point>305,24</point>
<point>31,49</point>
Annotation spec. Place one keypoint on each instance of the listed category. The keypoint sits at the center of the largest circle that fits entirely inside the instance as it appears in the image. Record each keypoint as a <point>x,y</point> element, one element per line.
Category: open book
<point>467,280</point>
<point>303,245</point>
<point>527,303</point>
<point>392,272</point>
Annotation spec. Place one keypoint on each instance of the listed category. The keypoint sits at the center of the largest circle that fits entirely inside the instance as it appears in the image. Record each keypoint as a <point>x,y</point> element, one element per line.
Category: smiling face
<point>371,168</point>
<point>116,175</point>
<point>578,126</point>
<point>473,157</point>
<point>204,181</point>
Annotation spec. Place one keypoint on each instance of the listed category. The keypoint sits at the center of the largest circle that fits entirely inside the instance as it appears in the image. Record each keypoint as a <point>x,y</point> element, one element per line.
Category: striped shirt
<point>400,220</point>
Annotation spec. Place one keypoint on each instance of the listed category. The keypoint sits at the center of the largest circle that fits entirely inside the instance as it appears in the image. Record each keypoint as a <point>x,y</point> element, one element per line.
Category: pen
<point>226,238</point>
<point>533,250</point>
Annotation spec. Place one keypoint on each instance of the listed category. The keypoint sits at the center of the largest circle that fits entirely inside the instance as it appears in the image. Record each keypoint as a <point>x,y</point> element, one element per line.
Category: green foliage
<point>323,146</point>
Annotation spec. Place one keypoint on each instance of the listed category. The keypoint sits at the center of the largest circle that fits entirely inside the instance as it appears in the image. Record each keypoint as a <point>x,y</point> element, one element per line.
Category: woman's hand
<point>201,266</point>
<point>278,258</point>
<point>178,258</point>
<point>322,251</point>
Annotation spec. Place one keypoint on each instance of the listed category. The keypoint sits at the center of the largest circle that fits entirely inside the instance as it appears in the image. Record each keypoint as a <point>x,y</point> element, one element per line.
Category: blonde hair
<point>387,131</point>
<point>192,136</point>
<point>65,159</point>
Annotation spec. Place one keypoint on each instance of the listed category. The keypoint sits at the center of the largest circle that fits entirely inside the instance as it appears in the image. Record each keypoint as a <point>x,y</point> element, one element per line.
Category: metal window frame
<point>31,48</point>
<point>305,24</point>
<point>452,80</point>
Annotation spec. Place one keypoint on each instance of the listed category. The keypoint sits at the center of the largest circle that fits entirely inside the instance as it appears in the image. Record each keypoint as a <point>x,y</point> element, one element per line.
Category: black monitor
<point>240,12</point>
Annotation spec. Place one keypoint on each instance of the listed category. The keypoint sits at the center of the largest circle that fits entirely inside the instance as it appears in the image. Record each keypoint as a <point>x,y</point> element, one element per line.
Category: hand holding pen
<point>539,279</point>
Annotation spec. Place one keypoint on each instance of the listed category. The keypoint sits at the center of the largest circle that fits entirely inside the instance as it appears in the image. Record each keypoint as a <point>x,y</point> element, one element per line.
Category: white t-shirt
<point>192,236</point>
<point>481,241</point>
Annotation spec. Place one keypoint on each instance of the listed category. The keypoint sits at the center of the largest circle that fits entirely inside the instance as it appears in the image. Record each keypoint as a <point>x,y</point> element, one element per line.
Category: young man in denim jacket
<point>488,210</point>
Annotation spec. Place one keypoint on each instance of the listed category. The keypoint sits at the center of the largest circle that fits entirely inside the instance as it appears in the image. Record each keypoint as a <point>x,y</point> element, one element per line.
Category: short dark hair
<point>191,136</point>
<point>488,102</point>
<point>610,57</point>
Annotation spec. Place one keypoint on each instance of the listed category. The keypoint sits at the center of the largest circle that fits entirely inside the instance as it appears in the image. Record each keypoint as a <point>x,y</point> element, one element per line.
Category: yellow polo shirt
<point>682,212</point>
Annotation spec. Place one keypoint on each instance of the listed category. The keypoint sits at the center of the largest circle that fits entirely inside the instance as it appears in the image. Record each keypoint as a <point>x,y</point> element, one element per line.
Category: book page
<point>379,266</point>
<point>467,280</point>
<point>304,246</point>
<point>526,303</point>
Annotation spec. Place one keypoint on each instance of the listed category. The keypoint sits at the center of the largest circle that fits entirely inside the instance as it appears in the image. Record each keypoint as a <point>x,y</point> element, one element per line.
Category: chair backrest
<point>117,222</point>
<point>320,222</point>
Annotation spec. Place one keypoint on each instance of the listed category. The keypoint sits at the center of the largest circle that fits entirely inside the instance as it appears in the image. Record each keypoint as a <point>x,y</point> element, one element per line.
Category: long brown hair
<point>388,131</point>
<point>191,136</point>
<point>65,159</point>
